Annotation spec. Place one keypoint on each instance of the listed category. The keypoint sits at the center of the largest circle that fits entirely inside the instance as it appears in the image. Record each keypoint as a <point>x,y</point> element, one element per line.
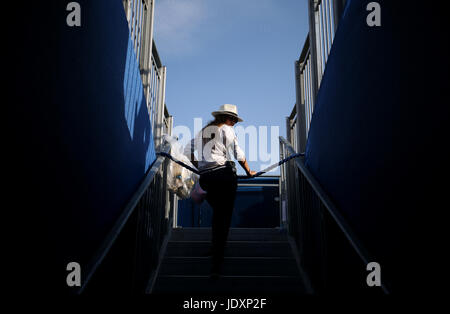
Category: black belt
<point>228,164</point>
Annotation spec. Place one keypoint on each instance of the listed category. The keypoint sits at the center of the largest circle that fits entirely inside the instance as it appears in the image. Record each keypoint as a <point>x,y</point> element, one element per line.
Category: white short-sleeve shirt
<point>215,148</point>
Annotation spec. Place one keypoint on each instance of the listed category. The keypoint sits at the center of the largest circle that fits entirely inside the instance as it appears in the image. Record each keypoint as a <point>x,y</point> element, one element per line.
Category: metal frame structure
<point>130,253</point>
<point>323,16</point>
<point>330,253</point>
<point>129,256</point>
<point>140,17</point>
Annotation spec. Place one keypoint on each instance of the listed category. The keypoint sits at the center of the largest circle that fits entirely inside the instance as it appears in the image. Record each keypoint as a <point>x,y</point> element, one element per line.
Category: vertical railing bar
<point>156,95</point>
<point>309,68</point>
<point>305,74</point>
<point>319,37</point>
<point>152,89</point>
<point>136,32</point>
<point>136,29</point>
<point>326,35</point>
<point>155,92</point>
<point>332,27</point>
<point>328,26</point>
<point>304,96</point>
<point>133,33</point>
<point>129,13</point>
<point>311,103</point>
<point>322,39</point>
<point>311,107</point>
<point>139,34</point>
<point>309,93</point>
<point>280,186</point>
<point>313,51</point>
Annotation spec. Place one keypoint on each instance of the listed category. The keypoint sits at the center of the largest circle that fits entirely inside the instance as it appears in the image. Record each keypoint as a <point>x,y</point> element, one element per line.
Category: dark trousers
<point>220,185</point>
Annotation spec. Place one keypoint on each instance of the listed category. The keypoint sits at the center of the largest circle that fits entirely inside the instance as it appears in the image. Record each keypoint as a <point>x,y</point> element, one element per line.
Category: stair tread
<point>233,248</point>
<point>228,284</point>
<point>234,257</point>
<point>231,237</point>
<point>256,260</point>
<point>232,241</point>
<point>230,276</point>
<point>208,229</point>
<point>232,266</point>
<point>235,234</point>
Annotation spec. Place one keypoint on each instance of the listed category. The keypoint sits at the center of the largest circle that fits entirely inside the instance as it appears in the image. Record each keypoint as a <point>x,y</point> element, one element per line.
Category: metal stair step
<point>235,234</point>
<point>232,266</point>
<point>229,284</point>
<point>233,248</point>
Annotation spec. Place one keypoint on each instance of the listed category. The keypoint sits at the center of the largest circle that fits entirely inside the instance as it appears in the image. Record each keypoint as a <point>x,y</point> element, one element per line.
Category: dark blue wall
<point>378,136</point>
<point>255,207</point>
<point>82,132</point>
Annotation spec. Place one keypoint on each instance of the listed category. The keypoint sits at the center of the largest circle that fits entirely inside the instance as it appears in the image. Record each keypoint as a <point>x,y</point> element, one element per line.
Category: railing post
<point>288,129</point>
<point>319,37</point>
<point>149,35</point>
<point>146,58</point>
<point>163,98</point>
<point>313,50</point>
<point>173,209</point>
<point>282,189</point>
<point>160,107</point>
<point>301,121</point>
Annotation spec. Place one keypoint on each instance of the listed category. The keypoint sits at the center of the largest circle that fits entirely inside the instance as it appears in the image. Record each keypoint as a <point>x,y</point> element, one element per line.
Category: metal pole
<point>160,107</point>
<point>148,41</point>
<point>301,122</point>
<point>313,50</point>
<point>320,37</point>
<point>288,129</point>
<point>281,187</point>
<point>163,98</point>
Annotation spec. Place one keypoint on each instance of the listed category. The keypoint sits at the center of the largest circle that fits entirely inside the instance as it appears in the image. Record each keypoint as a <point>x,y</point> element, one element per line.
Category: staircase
<point>257,260</point>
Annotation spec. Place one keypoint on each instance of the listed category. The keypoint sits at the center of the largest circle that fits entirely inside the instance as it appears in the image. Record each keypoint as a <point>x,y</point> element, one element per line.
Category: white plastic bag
<point>179,179</point>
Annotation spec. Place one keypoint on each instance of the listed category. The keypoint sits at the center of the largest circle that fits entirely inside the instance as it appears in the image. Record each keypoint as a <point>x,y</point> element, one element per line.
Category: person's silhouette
<point>218,174</point>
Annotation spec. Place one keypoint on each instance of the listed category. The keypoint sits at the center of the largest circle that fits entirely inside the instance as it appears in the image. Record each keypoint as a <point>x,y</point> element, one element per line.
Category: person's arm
<point>244,165</point>
<point>239,153</point>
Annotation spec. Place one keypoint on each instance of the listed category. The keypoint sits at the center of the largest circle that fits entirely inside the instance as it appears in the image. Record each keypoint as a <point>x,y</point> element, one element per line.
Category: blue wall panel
<point>83,134</point>
<point>376,142</point>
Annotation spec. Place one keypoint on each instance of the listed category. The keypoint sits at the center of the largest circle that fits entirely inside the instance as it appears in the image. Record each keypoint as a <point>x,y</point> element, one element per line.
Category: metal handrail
<point>122,220</point>
<point>332,209</point>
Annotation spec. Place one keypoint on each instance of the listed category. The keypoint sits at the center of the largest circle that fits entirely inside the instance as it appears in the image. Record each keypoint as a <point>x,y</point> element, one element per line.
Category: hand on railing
<point>244,164</point>
<point>251,173</point>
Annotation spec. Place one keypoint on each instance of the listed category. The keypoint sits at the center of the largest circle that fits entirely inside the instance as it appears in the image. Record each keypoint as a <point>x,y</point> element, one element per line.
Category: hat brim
<point>228,113</point>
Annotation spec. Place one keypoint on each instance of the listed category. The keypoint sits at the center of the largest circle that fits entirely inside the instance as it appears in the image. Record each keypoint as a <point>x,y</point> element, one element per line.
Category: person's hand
<point>251,173</point>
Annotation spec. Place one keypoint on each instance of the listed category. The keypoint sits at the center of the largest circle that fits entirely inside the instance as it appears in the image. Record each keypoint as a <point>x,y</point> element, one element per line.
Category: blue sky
<point>231,51</point>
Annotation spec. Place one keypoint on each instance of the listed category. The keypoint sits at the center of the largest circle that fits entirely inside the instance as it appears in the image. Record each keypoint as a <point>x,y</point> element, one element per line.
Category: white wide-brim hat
<point>229,110</point>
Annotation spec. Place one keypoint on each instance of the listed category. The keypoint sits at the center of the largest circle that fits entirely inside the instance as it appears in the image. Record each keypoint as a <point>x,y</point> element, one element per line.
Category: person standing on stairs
<point>218,174</point>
